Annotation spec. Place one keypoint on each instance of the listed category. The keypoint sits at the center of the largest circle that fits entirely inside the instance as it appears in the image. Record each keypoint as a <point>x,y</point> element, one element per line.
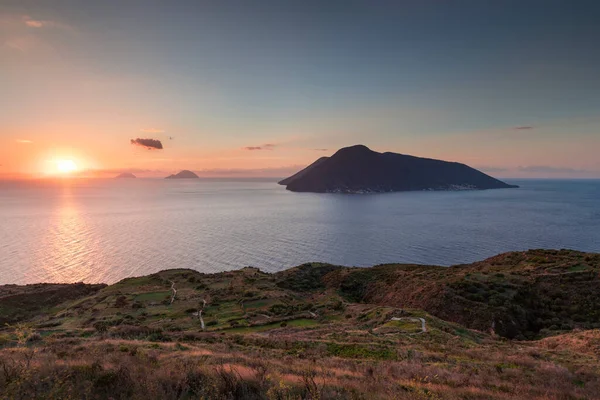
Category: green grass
<point>255,304</point>
<point>153,296</point>
<point>223,284</point>
<point>361,351</point>
<point>578,268</point>
<point>297,323</point>
<point>408,326</point>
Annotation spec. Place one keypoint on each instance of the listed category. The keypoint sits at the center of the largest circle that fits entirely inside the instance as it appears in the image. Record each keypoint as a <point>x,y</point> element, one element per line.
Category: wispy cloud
<point>24,141</point>
<point>150,144</point>
<point>34,24</point>
<point>112,172</point>
<point>545,169</point>
<point>267,146</point>
<point>321,149</point>
<point>133,170</point>
<point>27,34</point>
<point>523,128</point>
<point>278,172</point>
<point>152,130</point>
<point>492,169</point>
<point>44,23</point>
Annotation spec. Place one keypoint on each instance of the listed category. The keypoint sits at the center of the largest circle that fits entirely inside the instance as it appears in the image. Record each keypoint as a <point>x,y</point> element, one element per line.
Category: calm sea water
<point>106,230</point>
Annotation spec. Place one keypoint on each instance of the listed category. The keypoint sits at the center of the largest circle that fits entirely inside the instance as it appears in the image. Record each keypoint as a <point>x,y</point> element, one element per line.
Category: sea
<point>77,230</point>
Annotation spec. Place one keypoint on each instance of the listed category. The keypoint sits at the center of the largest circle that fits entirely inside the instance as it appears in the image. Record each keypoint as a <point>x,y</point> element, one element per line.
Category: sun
<point>66,166</point>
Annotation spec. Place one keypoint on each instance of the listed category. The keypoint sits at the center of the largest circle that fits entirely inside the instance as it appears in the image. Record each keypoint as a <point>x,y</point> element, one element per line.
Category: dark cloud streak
<point>148,143</point>
<point>266,146</point>
<point>492,169</point>
<point>552,170</point>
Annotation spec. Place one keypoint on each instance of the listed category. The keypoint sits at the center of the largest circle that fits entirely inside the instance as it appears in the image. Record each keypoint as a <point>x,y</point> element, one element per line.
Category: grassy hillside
<point>315,331</point>
<point>24,302</point>
<point>524,295</point>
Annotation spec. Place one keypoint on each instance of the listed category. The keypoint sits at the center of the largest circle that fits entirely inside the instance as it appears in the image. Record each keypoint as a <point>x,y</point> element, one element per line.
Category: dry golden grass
<point>312,332</point>
<point>97,368</point>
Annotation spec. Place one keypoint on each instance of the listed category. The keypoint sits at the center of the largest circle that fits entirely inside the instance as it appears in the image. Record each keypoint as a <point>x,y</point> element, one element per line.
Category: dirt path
<point>174,292</point>
<point>201,319</point>
<point>199,314</point>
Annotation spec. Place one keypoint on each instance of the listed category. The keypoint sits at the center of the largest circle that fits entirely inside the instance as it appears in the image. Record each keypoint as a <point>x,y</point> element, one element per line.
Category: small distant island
<point>185,174</point>
<point>125,175</point>
<point>358,169</point>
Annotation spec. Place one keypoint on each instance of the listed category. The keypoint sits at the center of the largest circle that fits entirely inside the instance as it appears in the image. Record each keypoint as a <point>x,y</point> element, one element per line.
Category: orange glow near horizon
<point>66,166</point>
<point>61,166</point>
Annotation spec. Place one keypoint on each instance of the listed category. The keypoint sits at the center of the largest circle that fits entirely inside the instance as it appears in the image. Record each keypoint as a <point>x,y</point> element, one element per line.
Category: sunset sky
<point>262,88</point>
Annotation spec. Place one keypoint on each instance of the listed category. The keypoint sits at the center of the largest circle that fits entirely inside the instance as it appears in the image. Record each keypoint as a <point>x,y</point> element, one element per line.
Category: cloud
<point>266,146</point>
<point>545,169</point>
<point>42,23</point>
<point>114,171</point>
<point>523,128</point>
<point>152,130</point>
<point>277,172</point>
<point>24,141</point>
<point>131,170</point>
<point>492,169</point>
<point>34,24</point>
<point>321,149</point>
<point>147,143</point>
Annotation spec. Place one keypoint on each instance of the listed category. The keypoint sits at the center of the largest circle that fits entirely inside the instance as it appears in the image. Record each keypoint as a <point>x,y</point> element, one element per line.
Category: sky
<point>263,88</point>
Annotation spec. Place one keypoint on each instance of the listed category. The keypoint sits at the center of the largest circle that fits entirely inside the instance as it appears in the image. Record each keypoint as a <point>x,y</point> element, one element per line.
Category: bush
<point>4,339</point>
<point>282,309</point>
<point>158,337</point>
<point>121,302</point>
<point>34,337</point>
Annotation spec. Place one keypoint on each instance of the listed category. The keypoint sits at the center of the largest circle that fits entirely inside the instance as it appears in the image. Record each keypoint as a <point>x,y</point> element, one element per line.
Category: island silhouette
<point>185,174</point>
<point>358,169</point>
<point>125,175</point>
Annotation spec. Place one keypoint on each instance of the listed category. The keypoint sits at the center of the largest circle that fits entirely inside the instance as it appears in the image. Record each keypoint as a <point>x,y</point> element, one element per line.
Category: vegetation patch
<point>361,351</point>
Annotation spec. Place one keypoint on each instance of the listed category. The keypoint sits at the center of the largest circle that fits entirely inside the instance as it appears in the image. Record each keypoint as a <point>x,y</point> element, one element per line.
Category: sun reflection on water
<point>69,241</point>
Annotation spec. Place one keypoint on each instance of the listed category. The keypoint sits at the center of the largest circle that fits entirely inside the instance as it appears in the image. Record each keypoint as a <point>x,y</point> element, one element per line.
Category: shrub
<point>34,337</point>
<point>4,339</point>
<point>121,302</point>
